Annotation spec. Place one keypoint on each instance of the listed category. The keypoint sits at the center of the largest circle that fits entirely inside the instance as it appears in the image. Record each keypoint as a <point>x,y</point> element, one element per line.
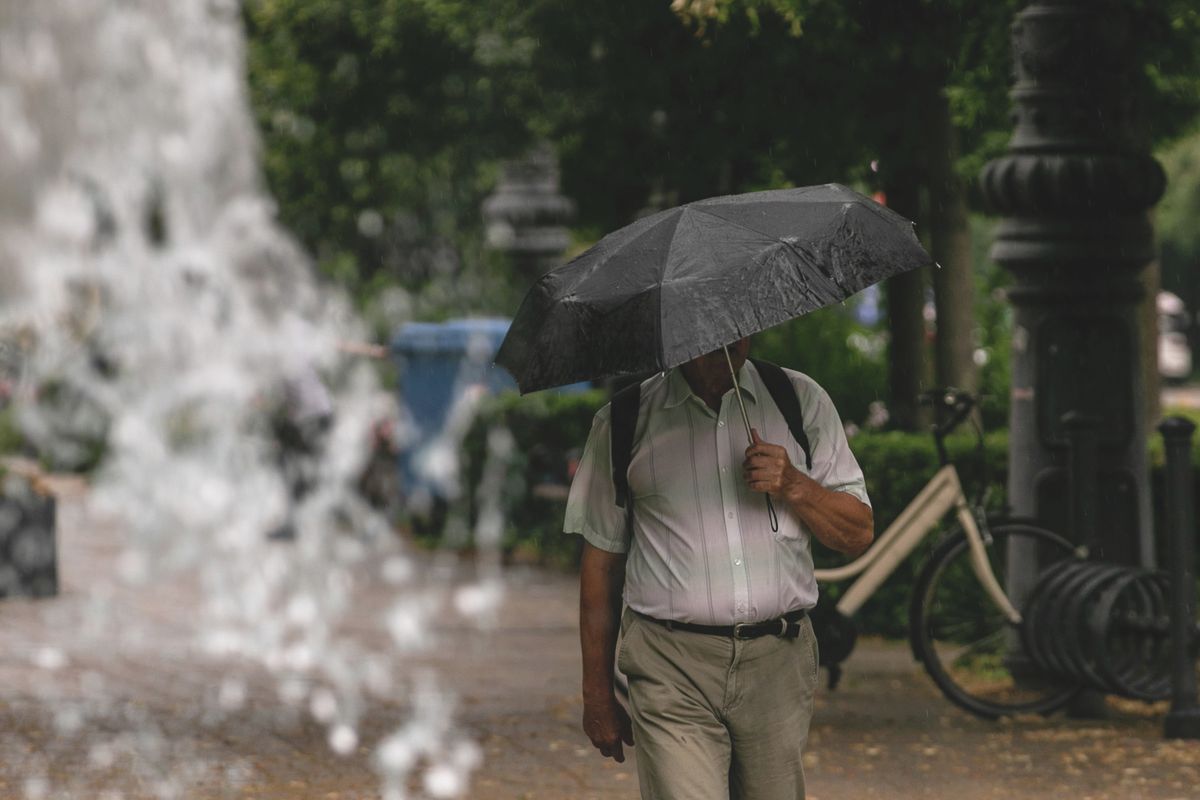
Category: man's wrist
<point>598,688</point>
<point>593,696</point>
<point>798,490</point>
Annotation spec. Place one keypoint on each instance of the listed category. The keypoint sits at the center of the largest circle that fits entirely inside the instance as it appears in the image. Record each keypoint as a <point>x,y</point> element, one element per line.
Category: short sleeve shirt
<point>701,548</point>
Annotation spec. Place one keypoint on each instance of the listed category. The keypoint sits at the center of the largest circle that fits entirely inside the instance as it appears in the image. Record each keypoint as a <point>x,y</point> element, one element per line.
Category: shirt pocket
<point>789,533</point>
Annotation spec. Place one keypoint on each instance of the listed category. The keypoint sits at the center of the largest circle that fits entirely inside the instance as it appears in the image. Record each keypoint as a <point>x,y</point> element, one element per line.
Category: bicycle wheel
<point>969,648</point>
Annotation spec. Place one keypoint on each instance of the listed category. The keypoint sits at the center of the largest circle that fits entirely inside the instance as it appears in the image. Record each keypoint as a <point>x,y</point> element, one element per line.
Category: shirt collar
<point>679,391</point>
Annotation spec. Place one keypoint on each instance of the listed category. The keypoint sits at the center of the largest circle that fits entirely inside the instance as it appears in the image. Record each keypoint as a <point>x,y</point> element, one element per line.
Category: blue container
<point>444,367</point>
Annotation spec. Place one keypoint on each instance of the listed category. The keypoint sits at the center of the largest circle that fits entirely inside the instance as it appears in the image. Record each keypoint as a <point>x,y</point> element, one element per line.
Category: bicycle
<point>964,618</point>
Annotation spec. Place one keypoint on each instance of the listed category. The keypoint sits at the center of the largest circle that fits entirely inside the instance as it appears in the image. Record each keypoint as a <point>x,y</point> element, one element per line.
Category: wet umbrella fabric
<point>689,280</point>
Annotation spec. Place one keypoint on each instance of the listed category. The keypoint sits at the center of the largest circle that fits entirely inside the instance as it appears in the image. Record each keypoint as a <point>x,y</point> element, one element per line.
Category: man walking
<point>716,644</point>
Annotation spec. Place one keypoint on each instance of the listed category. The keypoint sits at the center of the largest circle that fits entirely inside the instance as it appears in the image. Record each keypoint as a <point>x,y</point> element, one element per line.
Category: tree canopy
<point>384,121</point>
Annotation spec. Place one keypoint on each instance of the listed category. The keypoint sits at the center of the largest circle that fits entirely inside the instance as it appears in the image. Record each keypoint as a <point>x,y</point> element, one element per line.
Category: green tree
<point>383,121</point>
<point>933,77</point>
<point>379,123</point>
<point>644,110</point>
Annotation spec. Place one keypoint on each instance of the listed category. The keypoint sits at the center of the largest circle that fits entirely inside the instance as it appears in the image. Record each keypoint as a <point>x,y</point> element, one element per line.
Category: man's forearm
<point>839,520</point>
<point>601,580</point>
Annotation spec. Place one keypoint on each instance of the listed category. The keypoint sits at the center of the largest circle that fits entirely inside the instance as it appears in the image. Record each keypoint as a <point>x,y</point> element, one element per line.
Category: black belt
<point>787,626</point>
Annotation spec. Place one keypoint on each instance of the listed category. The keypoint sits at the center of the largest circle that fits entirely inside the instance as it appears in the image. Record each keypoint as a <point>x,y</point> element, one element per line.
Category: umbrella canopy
<point>689,280</point>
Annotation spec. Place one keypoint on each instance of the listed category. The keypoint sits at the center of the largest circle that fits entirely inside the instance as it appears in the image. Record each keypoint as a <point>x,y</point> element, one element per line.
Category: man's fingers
<point>618,754</point>
<point>758,472</point>
<point>765,450</point>
<point>754,437</point>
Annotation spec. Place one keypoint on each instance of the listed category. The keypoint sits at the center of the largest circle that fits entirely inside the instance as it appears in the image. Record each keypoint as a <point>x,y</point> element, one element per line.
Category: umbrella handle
<point>737,392</point>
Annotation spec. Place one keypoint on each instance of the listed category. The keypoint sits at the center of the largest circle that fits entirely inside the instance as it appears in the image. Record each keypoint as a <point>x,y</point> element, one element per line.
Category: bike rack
<point>1124,630</point>
<point>1102,625</point>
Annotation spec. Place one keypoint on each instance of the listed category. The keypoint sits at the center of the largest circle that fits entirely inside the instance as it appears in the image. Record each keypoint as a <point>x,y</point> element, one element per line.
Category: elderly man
<point>716,644</point>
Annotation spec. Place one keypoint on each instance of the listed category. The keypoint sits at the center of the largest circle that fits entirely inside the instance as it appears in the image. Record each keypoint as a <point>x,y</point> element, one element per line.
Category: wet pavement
<point>885,733</point>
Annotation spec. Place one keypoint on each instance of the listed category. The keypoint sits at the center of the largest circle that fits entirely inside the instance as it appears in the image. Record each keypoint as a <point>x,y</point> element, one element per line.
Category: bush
<point>897,466</point>
<point>549,430</point>
<point>846,358</point>
<point>11,441</point>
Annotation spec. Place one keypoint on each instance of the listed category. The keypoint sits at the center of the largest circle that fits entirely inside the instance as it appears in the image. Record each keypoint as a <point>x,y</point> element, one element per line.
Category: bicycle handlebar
<point>950,407</point>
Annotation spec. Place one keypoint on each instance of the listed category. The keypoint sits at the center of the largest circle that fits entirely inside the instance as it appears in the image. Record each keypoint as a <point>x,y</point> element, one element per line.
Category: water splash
<point>156,308</point>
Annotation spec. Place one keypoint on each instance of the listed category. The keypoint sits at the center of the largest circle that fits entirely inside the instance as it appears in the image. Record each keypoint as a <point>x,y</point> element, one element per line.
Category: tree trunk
<point>908,363</point>
<point>1151,279</point>
<point>950,246</point>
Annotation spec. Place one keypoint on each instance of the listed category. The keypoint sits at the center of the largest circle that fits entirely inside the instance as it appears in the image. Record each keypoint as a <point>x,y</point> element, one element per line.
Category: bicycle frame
<point>943,492</point>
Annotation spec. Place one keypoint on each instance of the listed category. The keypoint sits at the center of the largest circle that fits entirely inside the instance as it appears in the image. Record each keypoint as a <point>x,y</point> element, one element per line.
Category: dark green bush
<point>11,440</point>
<point>548,429</point>
<point>845,357</point>
<point>897,466</point>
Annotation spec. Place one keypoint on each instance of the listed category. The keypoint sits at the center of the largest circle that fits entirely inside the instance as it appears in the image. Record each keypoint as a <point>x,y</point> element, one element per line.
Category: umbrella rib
<point>776,239</point>
<point>601,261</point>
<point>566,294</point>
<point>741,225</point>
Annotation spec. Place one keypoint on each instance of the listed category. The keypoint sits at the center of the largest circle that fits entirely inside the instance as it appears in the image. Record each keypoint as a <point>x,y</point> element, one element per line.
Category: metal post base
<point>1182,724</point>
<point>1088,704</point>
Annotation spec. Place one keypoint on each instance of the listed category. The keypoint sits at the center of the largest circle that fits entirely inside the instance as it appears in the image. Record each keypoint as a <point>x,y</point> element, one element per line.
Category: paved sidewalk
<point>885,733</point>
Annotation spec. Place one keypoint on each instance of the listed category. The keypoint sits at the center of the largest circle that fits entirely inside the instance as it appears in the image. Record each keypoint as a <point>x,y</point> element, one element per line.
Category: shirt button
<point>731,515</point>
<point>721,424</point>
<point>737,562</point>
<point>724,469</point>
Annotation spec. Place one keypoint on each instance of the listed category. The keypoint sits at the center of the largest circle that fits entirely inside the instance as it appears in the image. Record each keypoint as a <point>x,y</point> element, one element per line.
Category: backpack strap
<point>623,417</point>
<point>784,394</point>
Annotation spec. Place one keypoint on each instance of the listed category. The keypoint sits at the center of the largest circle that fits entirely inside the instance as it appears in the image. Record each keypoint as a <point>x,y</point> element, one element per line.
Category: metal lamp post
<point>1073,190</point>
<point>525,215</point>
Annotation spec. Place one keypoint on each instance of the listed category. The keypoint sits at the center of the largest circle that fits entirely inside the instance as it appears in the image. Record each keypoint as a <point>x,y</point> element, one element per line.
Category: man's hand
<point>607,725</point>
<point>768,468</point>
<point>839,521</point>
<point>601,579</point>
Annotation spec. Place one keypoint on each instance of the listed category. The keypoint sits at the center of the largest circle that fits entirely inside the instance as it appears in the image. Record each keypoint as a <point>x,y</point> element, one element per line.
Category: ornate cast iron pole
<point>1074,189</point>
<point>525,215</point>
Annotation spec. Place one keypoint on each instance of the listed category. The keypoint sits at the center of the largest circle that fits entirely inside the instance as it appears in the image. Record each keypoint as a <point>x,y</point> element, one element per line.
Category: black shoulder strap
<point>623,421</point>
<point>784,395</point>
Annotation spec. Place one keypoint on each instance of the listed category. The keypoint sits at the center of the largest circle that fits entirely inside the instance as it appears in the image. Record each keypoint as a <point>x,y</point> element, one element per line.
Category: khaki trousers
<point>716,717</point>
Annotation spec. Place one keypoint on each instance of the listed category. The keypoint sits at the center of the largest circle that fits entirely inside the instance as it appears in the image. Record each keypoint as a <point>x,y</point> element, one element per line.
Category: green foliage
<point>844,357</point>
<point>11,441</point>
<point>1175,220</point>
<point>881,49</point>
<point>379,125</point>
<point>644,111</point>
<point>993,327</point>
<point>1157,457</point>
<point>897,465</point>
<point>547,428</point>
<point>382,120</point>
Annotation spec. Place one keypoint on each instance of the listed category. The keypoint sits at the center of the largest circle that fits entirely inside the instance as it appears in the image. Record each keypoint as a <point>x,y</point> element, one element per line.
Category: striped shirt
<point>702,549</point>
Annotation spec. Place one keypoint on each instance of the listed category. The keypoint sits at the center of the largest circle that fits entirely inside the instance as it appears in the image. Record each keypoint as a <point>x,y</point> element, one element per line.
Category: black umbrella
<point>692,279</point>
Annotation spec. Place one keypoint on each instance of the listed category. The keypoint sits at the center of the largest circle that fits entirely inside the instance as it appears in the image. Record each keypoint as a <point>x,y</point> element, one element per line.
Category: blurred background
<point>437,156</point>
<point>422,163</point>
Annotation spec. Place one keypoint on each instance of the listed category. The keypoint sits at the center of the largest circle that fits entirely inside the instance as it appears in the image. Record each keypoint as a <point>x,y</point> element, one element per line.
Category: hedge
<point>549,430</point>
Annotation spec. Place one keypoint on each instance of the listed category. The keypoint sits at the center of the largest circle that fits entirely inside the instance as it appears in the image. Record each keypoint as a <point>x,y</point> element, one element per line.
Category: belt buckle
<point>738,628</point>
